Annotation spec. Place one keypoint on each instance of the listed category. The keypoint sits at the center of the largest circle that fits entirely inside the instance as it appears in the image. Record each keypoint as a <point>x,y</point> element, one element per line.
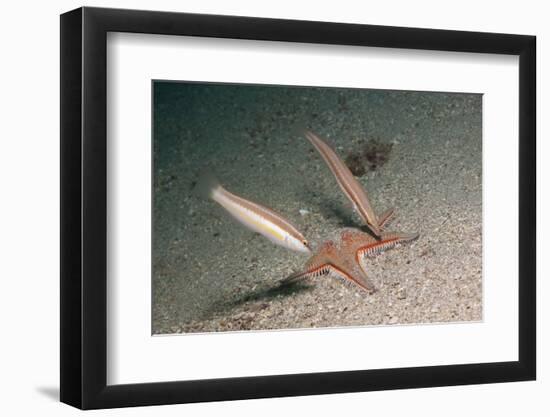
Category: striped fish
<point>347,182</point>
<point>256,217</point>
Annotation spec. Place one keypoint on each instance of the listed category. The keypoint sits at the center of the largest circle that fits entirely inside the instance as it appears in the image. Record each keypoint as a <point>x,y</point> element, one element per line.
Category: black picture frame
<point>84,207</point>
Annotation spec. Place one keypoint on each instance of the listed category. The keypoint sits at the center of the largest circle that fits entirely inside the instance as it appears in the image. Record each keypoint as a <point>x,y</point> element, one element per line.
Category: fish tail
<point>207,185</point>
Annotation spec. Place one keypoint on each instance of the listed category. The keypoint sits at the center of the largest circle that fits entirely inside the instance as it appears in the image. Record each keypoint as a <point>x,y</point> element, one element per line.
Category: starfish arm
<point>387,241</point>
<point>357,277</point>
<point>386,217</point>
<point>309,273</point>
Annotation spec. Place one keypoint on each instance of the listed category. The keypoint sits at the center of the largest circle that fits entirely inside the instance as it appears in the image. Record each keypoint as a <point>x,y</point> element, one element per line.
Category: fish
<point>254,216</point>
<point>353,190</point>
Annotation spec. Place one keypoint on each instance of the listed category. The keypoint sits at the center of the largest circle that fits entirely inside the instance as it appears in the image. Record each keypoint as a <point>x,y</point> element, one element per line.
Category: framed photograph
<point>257,208</point>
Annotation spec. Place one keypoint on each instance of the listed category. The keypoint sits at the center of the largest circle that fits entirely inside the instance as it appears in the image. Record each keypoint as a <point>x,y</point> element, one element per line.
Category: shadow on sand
<point>342,213</point>
<point>258,298</point>
<point>266,294</point>
<point>336,212</point>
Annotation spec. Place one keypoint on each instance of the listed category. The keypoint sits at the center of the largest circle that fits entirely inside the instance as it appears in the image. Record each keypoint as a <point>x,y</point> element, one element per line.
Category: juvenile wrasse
<point>254,216</point>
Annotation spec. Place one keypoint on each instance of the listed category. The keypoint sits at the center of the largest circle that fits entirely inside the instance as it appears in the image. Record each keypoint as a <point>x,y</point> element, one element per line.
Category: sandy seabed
<point>211,274</point>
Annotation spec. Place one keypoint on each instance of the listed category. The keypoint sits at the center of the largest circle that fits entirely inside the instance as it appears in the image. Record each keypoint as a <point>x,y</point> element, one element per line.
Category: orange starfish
<point>343,257</point>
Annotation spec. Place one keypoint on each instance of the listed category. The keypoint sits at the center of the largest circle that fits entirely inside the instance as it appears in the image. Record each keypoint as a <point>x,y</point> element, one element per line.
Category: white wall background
<point>29,177</point>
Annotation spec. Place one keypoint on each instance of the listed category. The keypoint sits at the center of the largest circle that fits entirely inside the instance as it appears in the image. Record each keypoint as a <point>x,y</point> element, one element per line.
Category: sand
<point>211,274</point>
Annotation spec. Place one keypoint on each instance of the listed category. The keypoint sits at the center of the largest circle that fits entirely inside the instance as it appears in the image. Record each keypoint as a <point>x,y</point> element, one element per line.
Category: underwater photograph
<point>287,207</point>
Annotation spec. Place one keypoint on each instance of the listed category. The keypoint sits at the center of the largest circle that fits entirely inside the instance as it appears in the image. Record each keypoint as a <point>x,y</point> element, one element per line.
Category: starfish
<point>343,256</point>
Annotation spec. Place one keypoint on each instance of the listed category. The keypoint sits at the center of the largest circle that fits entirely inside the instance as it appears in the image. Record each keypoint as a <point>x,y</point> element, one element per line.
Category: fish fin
<point>206,185</point>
